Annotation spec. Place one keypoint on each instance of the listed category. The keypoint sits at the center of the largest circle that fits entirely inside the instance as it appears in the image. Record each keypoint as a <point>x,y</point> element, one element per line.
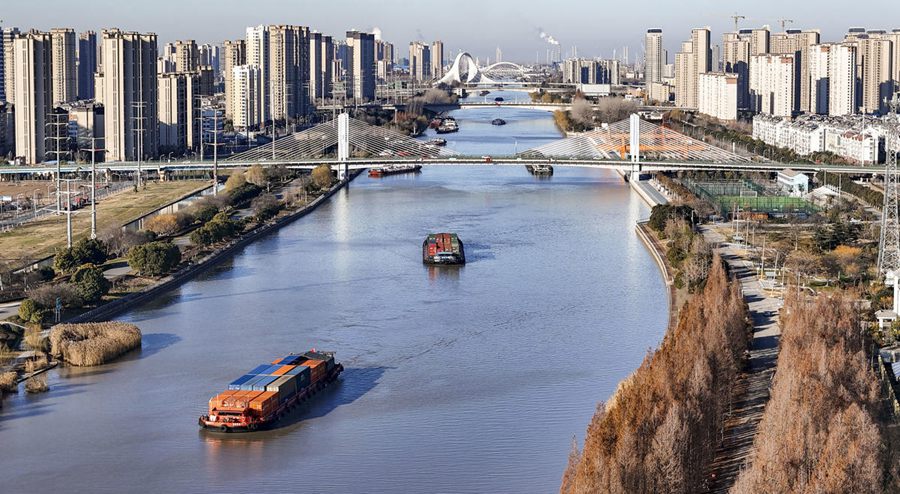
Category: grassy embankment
<point>44,237</point>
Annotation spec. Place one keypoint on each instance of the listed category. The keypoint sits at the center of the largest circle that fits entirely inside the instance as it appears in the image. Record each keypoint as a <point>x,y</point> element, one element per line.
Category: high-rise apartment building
<point>797,43</point>
<point>178,112</point>
<point>87,64</point>
<point>736,60</point>
<point>360,78</point>
<point>832,79</point>
<point>717,95</point>
<point>877,83</point>
<point>210,56</point>
<point>258,55</point>
<point>772,84</point>
<point>288,72</point>
<point>187,56</point>
<point>34,94</point>
<point>246,97</point>
<point>654,56</point>
<point>233,55</point>
<point>760,41</point>
<point>129,93</point>
<point>437,60</point>
<point>7,78</point>
<point>694,59</point>
<point>384,59</point>
<point>321,53</point>
<point>64,72</point>
<point>591,71</point>
<point>419,61</point>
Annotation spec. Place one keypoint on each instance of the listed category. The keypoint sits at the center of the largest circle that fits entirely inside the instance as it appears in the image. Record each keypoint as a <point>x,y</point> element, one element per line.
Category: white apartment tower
<point>233,55</point>
<point>772,84</point>
<point>832,79</point>
<point>246,97</point>
<point>65,70</point>
<point>654,57</point>
<point>718,95</point>
<point>7,63</point>
<point>258,55</point>
<point>736,58</point>
<point>128,90</point>
<point>694,59</point>
<point>178,112</point>
<point>33,94</point>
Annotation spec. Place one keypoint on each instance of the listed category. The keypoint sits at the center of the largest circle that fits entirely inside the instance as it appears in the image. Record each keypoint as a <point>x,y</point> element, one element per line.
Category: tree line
<point>821,430</point>
<point>659,430</point>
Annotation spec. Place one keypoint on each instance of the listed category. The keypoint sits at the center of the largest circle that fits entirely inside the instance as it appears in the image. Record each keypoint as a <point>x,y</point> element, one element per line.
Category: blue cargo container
<point>236,384</point>
<point>271,369</point>
<point>261,384</point>
<point>259,369</point>
<point>300,369</point>
<point>248,385</point>
<point>292,359</point>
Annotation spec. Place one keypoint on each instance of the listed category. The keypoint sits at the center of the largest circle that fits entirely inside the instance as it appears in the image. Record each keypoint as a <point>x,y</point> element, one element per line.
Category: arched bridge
<point>465,70</point>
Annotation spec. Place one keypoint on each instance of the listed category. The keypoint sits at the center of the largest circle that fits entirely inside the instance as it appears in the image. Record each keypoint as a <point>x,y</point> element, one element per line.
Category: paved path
<point>9,309</point>
<point>751,390</point>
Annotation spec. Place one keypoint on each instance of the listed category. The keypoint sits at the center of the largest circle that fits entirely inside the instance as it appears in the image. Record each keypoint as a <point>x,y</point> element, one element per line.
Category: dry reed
<point>8,382</point>
<point>93,343</point>
<point>36,384</point>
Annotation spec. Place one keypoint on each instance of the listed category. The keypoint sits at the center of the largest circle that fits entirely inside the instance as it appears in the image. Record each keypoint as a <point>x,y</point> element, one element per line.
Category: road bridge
<point>346,144</point>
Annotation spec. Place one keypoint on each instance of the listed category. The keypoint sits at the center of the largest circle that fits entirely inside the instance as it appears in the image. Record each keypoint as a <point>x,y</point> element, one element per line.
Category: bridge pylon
<point>634,147</point>
<point>343,145</point>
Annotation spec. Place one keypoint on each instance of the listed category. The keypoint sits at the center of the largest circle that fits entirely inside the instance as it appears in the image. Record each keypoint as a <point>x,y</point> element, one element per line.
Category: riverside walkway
<point>751,390</point>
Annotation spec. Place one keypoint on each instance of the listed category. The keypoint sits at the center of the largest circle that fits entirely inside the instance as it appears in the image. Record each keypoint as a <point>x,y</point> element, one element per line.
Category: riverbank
<point>172,281</point>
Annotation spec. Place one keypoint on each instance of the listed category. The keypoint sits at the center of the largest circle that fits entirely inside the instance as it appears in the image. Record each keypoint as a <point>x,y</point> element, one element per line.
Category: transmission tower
<point>889,247</point>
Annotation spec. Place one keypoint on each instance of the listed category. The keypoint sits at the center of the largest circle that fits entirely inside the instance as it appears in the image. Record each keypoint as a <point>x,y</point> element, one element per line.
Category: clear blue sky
<point>596,27</point>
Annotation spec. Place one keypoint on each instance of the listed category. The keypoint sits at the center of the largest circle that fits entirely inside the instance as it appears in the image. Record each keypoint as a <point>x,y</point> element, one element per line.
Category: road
<point>751,390</point>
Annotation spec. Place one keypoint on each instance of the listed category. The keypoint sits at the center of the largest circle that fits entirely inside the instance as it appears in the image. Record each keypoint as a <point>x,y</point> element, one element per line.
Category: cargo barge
<point>443,248</point>
<point>448,125</point>
<point>259,399</point>
<point>540,170</point>
<point>384,171</point>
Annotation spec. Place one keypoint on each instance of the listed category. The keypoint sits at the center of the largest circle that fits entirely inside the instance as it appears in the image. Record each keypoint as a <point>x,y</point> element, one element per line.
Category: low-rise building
<point>859,139</point>
<point>793,182</point>
<point>660,92</point>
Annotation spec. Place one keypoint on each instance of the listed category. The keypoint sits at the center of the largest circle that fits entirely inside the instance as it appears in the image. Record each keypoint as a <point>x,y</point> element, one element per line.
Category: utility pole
<point>736,18</point>
<point>93,151</point>
<point>69,211</point>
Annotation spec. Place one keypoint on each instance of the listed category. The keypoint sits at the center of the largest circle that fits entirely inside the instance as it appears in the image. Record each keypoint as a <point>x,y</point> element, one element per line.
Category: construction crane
<point>736,18</point>
<point>785,22</point>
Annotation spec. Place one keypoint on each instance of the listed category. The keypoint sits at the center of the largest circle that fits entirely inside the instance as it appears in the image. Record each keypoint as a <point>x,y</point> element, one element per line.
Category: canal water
<point>459,380</point>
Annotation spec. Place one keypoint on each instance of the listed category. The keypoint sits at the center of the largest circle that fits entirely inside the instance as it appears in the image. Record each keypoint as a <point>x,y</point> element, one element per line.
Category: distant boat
<point>498,121</point>
<point>484,93</point>
<point>437,142</point>
<point>498,99</point>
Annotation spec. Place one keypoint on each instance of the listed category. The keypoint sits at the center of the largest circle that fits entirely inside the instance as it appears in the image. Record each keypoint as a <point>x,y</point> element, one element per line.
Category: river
<point>460,380</point>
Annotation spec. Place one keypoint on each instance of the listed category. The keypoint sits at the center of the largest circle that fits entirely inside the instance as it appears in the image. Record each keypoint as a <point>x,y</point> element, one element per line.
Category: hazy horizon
<point>463,25</point>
